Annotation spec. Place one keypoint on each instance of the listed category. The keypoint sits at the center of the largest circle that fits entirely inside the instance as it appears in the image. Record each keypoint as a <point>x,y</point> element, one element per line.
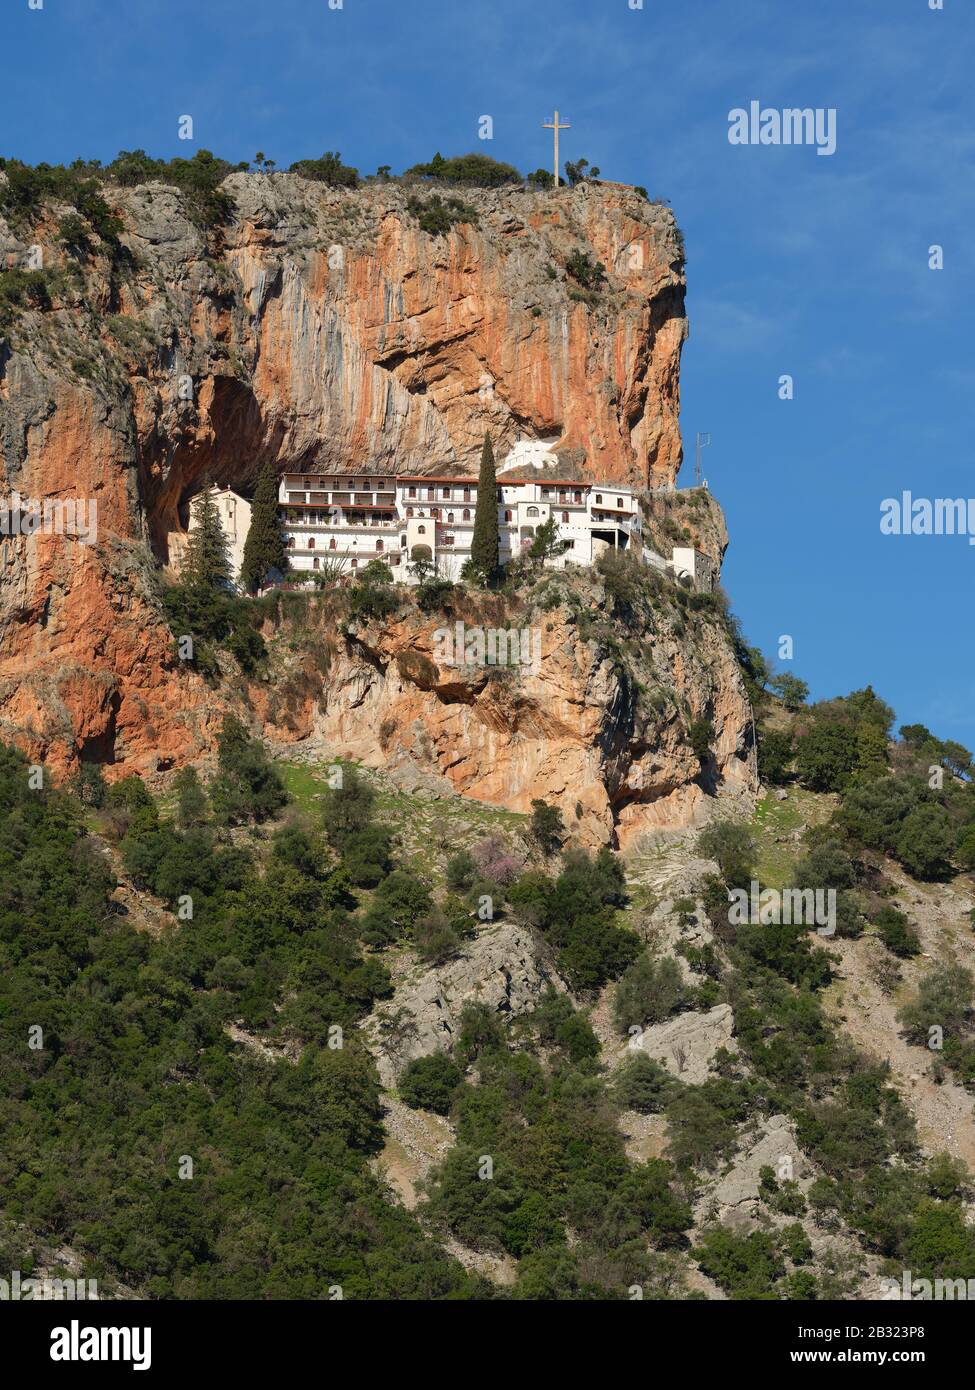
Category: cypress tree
<point>264,548</point>
<point>486,540</point>
<point>207,564</point>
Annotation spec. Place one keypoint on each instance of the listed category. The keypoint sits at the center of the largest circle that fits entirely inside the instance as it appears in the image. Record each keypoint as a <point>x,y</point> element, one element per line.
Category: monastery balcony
<point>374,524</point>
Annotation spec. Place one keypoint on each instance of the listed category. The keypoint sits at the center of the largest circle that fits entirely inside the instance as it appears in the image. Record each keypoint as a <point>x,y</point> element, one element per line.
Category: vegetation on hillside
<point>170,1157</point>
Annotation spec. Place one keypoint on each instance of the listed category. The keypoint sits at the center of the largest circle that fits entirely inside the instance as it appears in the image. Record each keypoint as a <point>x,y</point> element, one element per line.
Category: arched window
<point>467,513</point>
<point>311,542</point>
<point>435,513</point>
<point>355,563</point>
<point>533,511</point>
<point>379,546</point>
<point>445,494</point>
<point>291,542</point>
<point>331,544</point>
<point>450,518</point>
<point>421,530</point>
<point>409,511</point>
<point>578,497</point>
<point>314,563</point>
<point>507,516</point>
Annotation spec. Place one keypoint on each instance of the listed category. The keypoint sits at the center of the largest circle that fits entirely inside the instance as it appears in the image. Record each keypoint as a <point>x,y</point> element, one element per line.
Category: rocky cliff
<point>596,722</point>
<point>318,327</point>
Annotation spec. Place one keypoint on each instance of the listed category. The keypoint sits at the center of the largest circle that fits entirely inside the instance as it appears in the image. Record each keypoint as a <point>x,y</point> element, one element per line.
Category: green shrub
<point>429,1083</point>
<point>896,933</point>
<point>732,845</point>
<point>644,1085</point>
<point>649,991</point>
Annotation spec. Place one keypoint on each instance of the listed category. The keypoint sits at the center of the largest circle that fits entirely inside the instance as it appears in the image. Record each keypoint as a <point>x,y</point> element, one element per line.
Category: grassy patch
<point>776,822</point>
<point>429,831</point>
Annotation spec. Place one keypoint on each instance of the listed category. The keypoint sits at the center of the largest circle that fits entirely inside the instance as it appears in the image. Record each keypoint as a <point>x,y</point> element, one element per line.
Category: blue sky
<point>797,263</point>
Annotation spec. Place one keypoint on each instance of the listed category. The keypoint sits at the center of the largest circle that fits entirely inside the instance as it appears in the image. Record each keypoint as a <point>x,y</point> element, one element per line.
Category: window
<point>331,544</point>
<point>445,494</point>
<point>355,563</point>
<point>409,511</point>
<point>599,498</point>
<point>314,563</point>
<point>421,530</point>
<point>467,494</point>
<point>619,503</point>
<point>450,518</point>
<point>379,546</point>
<point>311,542</point>
<point>578,497</point>
<point>507,516</point>
<point>291,542</point>
<point>431,494</point>
<point>467,513</point>
<point>532,511</point>
<point>411,492</point>
<point>565,516</point>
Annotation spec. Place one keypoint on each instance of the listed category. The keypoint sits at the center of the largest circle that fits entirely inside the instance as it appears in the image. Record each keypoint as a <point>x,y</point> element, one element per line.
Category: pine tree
<point>264,548</point>
<point>486,539</point>
<point>207,566</point>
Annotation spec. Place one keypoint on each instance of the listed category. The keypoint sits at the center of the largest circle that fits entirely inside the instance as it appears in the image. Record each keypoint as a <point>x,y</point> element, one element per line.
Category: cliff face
<point>595,723</point>
<point>322,328</point>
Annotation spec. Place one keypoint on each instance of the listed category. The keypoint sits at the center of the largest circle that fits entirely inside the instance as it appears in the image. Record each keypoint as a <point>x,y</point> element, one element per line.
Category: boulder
<point>686,1045</point>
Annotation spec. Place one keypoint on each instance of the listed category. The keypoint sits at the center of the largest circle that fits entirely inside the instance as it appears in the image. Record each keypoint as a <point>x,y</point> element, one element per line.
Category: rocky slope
<point>599,726</point>
<point>318,328</point>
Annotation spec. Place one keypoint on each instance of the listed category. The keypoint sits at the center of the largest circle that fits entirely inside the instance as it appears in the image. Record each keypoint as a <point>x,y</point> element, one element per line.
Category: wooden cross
<point>554,125</point>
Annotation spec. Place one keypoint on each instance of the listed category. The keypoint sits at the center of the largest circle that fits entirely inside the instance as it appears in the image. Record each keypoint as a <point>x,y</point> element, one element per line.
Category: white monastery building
<point>352,519</point>
<point>235,520</point>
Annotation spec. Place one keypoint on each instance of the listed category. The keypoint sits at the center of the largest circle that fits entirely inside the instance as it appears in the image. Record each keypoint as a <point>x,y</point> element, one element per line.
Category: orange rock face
<point>600,734</point>
<point>322,328</point>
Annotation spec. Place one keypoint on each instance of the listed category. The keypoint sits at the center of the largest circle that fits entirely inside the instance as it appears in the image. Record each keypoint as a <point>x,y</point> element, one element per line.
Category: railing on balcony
<point>348,524</point>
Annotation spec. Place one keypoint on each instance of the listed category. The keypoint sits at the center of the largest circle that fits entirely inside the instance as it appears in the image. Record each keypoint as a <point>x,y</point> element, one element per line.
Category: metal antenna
<point>703,440</point>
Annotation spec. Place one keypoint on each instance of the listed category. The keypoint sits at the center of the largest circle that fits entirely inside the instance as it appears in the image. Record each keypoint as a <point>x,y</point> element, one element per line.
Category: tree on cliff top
<point>207,566</point>
<point>329,169</point>
<point>486,539</point>
<point>478,170</point>
<point>264,548</point>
